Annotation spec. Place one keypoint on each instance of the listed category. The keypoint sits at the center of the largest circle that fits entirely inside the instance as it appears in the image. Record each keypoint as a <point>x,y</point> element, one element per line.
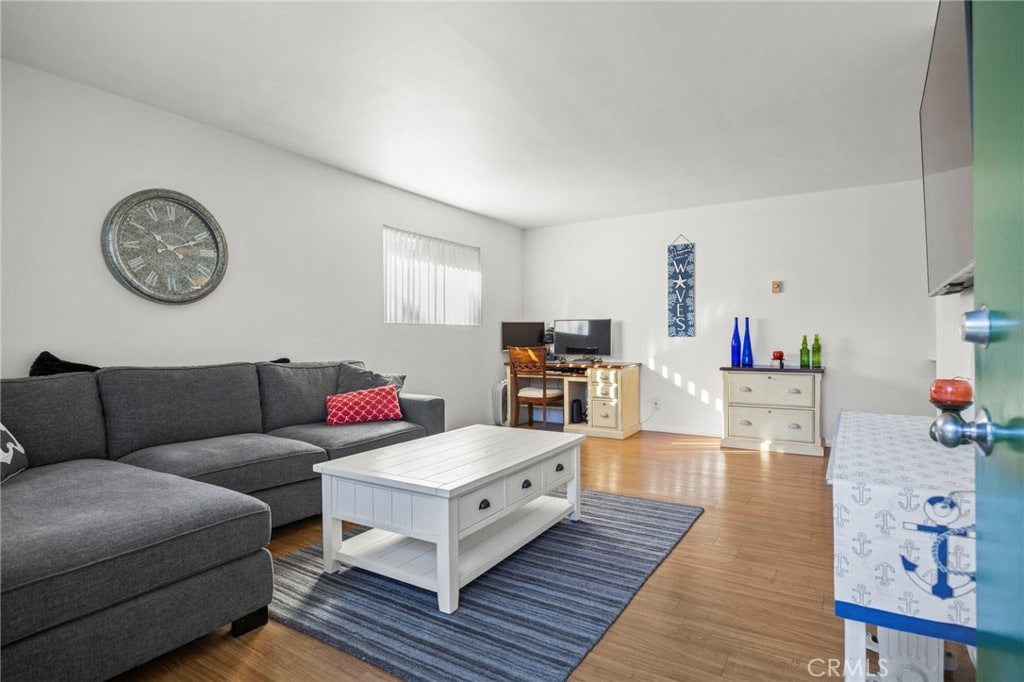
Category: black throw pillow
<point>47,363</point>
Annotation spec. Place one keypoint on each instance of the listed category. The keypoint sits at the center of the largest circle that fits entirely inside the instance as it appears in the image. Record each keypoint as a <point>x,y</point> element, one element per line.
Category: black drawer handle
<point>745,422</point>
<point>559,467</point>
<point>794,425</point>
<point>745,389</point>
<point>795,391</point>
<point>484,504</point>
<point>527,484</point>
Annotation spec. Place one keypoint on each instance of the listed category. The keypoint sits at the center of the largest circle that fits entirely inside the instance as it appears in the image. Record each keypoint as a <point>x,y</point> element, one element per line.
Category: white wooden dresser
<point>773,409</point>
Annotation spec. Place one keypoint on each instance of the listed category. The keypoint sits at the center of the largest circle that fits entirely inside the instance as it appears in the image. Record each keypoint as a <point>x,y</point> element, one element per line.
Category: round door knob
<point>951,430</point>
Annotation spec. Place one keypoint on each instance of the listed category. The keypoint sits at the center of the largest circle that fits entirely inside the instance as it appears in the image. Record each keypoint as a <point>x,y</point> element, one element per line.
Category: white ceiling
<point>533,113</point>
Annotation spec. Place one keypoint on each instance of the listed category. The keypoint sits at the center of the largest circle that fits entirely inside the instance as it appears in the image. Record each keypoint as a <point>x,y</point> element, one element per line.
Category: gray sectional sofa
<point>143,517</point>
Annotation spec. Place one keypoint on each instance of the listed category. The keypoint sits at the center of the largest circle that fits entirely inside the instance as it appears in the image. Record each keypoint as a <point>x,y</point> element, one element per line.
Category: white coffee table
<point>446,508</point>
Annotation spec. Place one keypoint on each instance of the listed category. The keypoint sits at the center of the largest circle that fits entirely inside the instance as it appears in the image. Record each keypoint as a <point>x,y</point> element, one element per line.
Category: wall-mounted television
<point>583,337</point>
<point>947,157</point>
<point>522,334</point>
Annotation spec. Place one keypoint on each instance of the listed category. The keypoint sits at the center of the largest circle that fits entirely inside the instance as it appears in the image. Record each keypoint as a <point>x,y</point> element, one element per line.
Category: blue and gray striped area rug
<point>532,617</point>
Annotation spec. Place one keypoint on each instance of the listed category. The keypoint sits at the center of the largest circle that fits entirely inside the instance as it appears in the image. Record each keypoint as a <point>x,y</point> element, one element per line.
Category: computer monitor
<point>583,337</point>
<point>522,334</point>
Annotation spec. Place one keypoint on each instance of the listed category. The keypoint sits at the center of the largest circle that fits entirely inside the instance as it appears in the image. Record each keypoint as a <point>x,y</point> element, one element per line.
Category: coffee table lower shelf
<point>414,561</point>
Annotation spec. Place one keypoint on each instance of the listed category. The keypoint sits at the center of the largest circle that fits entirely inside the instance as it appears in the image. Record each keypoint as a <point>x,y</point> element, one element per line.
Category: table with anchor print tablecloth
<point>903,521</point>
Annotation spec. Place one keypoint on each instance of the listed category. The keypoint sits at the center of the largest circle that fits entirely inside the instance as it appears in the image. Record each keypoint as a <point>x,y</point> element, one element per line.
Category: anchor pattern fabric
<point>903,520</point>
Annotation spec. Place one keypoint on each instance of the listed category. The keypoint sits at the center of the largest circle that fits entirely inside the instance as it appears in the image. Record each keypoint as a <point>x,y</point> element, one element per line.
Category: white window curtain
<point>430,281</point>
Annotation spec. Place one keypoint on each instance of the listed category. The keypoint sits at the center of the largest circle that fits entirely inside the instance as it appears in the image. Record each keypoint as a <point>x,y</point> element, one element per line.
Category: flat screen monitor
<point>583,337</point>
<point>947,152</point>
<point>522,334</point>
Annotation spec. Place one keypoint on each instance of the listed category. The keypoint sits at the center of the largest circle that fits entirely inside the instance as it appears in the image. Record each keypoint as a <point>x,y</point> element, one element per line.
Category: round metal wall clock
<point>164,246</point>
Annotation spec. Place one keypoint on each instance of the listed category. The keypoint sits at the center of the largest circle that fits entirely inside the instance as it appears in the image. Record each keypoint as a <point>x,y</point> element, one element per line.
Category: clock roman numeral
<point>136,263</point>
<point>135,224</point>
<point>172,283</point>
<point>207,253</point>
<point>187,221</point>
<point>170,211</point>
<point>195,284</point>
<point>151,278</point>
<point>130,244</point>
<point>151,212</point>
<point>203,270</point>
<point>201,237</point>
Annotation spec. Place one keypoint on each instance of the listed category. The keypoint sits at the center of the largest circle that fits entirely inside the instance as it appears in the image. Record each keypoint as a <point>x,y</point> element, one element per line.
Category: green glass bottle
<point>805,354</point>
<point>816,353</point>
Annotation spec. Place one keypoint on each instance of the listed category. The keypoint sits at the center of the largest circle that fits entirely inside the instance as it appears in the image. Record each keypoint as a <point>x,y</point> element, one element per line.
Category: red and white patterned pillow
<point>369,405</point>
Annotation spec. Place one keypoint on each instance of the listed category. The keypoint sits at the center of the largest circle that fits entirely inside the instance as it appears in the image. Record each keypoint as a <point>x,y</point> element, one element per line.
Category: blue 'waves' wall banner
<point>681,269</point>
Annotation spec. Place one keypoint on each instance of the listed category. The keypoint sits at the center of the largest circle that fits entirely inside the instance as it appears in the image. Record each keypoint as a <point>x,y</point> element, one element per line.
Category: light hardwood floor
<point>746,595</point>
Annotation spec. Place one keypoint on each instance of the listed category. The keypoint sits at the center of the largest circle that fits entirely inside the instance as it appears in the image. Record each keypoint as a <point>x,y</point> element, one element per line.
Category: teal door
<point>999,284</point>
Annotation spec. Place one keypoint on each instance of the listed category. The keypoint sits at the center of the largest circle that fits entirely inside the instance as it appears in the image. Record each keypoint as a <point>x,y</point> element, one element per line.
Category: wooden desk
<point>904,556</point>
<point>609,392</point>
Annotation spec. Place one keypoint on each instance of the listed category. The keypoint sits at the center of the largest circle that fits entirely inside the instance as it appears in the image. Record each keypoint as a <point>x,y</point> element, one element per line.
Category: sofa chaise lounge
<point>142,518</point>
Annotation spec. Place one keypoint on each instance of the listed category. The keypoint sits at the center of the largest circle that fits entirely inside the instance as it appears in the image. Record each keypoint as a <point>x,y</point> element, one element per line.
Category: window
<point>430,281</point>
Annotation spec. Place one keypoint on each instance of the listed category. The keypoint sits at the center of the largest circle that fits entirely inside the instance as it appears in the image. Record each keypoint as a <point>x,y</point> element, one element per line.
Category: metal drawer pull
<point>794,425</point>
<point>795,390</point>
<point>604,415</point>
<point>559,467</point>
<point>745,389</point>
<point>746,422</point>
<point>484,504</point>
<point>527,484</point>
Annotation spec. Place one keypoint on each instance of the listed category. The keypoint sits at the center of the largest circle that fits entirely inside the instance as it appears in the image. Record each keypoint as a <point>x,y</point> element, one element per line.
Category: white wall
<point>853,267</point>
<point>954,357</point>
<point>304,242</point>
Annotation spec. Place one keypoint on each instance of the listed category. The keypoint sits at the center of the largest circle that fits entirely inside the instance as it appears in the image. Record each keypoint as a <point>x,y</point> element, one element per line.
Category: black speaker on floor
<point>577,411</point>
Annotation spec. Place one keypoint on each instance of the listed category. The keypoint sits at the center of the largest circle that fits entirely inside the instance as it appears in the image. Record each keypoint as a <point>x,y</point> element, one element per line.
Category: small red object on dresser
<point>951,394</point>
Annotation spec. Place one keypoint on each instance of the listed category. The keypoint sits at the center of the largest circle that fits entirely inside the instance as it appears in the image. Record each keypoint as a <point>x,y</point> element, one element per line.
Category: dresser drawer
<point>772,424</point>
<point>603,413</point>
<point>604,391</point>
<point>558,468</point>
<point>477,505</point>
<point>796,390</point>
<point>523,483</point>
<point>604,376</point>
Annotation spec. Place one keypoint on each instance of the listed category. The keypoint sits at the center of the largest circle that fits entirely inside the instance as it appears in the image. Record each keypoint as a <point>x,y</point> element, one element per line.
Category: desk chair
<point>530,362</point>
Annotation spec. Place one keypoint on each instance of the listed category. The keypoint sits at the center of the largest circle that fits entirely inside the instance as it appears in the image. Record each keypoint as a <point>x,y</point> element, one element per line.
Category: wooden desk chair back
<point>530,362</point>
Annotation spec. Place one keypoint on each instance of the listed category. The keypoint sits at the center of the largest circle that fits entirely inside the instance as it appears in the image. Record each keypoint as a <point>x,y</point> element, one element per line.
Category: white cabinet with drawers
<point>772,409</point>
<point>613,401</point>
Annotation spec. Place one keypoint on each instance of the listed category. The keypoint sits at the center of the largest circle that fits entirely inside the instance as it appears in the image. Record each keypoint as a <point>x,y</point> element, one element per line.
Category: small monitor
<point>583,337</point>
<point>522,334</point>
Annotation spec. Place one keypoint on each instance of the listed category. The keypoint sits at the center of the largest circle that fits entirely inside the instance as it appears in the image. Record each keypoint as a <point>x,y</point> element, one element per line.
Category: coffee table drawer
<point>479,504</point>
<point>558,468</point>
<point>523,483</point>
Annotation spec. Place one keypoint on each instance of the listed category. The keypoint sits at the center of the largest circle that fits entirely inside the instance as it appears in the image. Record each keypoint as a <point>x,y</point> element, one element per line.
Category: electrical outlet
<point>657,404</point>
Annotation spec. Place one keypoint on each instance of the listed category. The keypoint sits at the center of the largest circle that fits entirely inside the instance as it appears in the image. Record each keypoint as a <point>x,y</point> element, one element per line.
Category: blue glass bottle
<point>735,342</point>
<point>747,359</point>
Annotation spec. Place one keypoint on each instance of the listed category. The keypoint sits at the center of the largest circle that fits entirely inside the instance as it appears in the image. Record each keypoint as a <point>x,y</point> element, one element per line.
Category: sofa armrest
<point>425,410</point>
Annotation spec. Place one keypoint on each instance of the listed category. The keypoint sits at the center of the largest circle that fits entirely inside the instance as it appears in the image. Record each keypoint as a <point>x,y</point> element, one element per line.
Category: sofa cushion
<point>294,393</point>
<point>353,377</point>
<point>82,535</point>
<point>369,405</point>
<point>55,418</point>
<point>245,462</point>
<point>148,406</point>
<point>349,439</point>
